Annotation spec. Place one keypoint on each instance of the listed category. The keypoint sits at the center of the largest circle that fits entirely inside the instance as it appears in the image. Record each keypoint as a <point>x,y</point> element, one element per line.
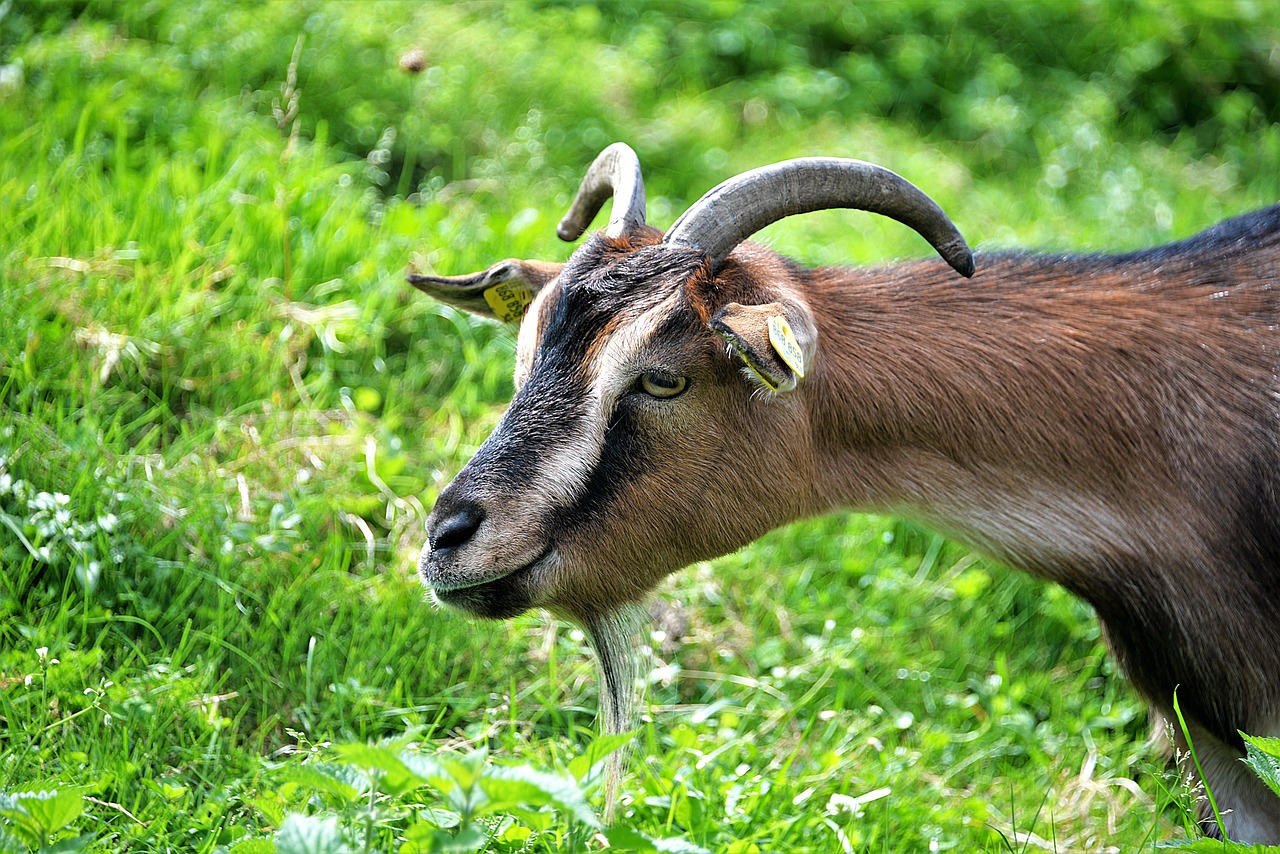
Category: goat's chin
<point>499,599</point>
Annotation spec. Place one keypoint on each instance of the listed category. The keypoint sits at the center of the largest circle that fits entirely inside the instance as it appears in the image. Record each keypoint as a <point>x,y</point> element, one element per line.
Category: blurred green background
<point>223,416</point>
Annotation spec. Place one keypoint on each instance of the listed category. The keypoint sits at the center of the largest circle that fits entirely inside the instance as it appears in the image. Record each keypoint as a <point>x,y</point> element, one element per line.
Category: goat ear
<point>777,341</point>
<point>502,292</point>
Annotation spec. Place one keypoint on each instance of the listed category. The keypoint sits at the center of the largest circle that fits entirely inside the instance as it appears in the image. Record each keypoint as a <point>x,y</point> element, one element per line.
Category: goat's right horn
<point>615,172</point>
<point>741,206</point>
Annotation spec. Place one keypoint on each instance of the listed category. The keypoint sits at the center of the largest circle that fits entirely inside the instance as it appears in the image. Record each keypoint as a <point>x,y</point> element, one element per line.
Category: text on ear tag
<point>509,300</point>
<point>784,342</point>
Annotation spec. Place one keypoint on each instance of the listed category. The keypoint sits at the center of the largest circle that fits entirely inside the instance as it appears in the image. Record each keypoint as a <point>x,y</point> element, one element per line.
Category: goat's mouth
<point>501,598</point>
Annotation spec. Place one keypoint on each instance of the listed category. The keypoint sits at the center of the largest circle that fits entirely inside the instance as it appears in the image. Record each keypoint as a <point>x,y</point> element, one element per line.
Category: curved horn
<point>615,172</point>
<point>741,206</point>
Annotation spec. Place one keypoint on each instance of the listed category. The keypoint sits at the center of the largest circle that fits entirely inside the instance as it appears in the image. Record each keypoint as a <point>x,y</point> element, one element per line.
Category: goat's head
<point>635,441</point>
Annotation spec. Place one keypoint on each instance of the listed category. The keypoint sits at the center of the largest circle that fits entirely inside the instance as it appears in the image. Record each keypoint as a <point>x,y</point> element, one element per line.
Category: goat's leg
<point>1250,811</point>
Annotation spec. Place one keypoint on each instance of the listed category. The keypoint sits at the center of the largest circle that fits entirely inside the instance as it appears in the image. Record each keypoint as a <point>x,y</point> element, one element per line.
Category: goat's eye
<point>658,384</point>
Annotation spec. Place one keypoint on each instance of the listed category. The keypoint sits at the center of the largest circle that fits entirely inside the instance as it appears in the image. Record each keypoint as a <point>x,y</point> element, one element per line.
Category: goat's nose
<point>456,528</point>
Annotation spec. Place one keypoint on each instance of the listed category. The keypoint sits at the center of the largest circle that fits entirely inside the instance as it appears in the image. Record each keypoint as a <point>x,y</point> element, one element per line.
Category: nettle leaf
<point>465,770</point>
<point>167,789</point>
<point>271,807</point>
<point>20,823</point>
<point>470,838</point>
<point>589,762</point>
<point>54,810</point>
<point>516,833</point>
<point>258,845</point>
<point>626,839</point>
<point>304,834</point>
<point>10,844</point>
<point>396,777</point>
<point>521,787</point>
<point>454,777</point>
<point>74,845</point>
<point>1263,756</point>
<point>35,815</point>
<point>439,817</point>
<point>430,770</point>
<point>419,838</point>
<point>422,839</point>
<point>342,781</point>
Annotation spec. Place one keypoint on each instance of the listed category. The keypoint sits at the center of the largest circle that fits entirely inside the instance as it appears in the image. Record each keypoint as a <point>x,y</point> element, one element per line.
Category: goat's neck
<point>1003,410</point>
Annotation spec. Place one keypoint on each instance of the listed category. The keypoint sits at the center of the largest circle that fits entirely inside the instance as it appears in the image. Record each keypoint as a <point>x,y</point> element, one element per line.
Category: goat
<point>1108,423</point>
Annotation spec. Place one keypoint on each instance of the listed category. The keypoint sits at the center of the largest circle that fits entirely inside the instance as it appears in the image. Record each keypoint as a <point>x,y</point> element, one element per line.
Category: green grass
<point>223,418</point>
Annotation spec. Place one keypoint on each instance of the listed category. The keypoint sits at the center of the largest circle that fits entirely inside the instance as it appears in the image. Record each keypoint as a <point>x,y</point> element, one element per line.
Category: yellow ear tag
<point>784,342</point>
<point>509,300</point>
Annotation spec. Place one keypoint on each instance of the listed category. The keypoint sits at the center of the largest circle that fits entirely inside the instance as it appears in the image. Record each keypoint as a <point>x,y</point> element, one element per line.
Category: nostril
<point>455,529</point>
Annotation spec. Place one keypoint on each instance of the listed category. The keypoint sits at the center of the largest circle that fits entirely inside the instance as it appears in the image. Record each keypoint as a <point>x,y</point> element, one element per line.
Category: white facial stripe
<point>564,471</point>
<point>527,337</point>
<point>617,365</point>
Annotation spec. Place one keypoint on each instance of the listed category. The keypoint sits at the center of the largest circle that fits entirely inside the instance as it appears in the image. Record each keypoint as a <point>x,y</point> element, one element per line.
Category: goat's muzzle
<point>468,564</point>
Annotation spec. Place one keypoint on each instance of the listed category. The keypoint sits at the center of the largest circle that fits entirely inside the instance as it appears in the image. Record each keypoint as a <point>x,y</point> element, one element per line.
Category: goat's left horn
<point>741,206</point>
<point>615,172</point>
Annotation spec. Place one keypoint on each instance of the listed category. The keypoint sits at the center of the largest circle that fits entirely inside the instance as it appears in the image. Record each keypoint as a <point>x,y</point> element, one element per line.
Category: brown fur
<point>1107,423</point>
<point>1141,392</point>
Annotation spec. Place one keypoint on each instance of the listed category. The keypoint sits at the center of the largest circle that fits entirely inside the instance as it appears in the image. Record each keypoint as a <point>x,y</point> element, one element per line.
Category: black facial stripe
<point>549,411</point>
<point>624,456</point>
<point>546,414</point>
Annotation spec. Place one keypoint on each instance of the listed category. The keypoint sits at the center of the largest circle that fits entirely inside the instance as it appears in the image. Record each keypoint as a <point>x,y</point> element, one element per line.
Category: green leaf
<point>470,838</point>
<point>258,845</point>
<point>271,808</point>
<point>1263,756</point>
<point>454,777</point>
<point>396,778</point>
<point>21,823</point>
<point>439,817</point>
<point>626,839</point>
<point>304,834</point>
<point>370,757</point>
<point>516,833</point>
<point>419,838</point>
<point>72,845</point>
<point>539,821</point>
<point>520,786</point>
<point>48,811</point>
<point>422,838</point>
<point>1270,746</point>
<point>334,778</point>
<point>167,789</point>
<point>430,770</point>
<point>601,748</point>
<point>10,844</point>
<point>465,770</point>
